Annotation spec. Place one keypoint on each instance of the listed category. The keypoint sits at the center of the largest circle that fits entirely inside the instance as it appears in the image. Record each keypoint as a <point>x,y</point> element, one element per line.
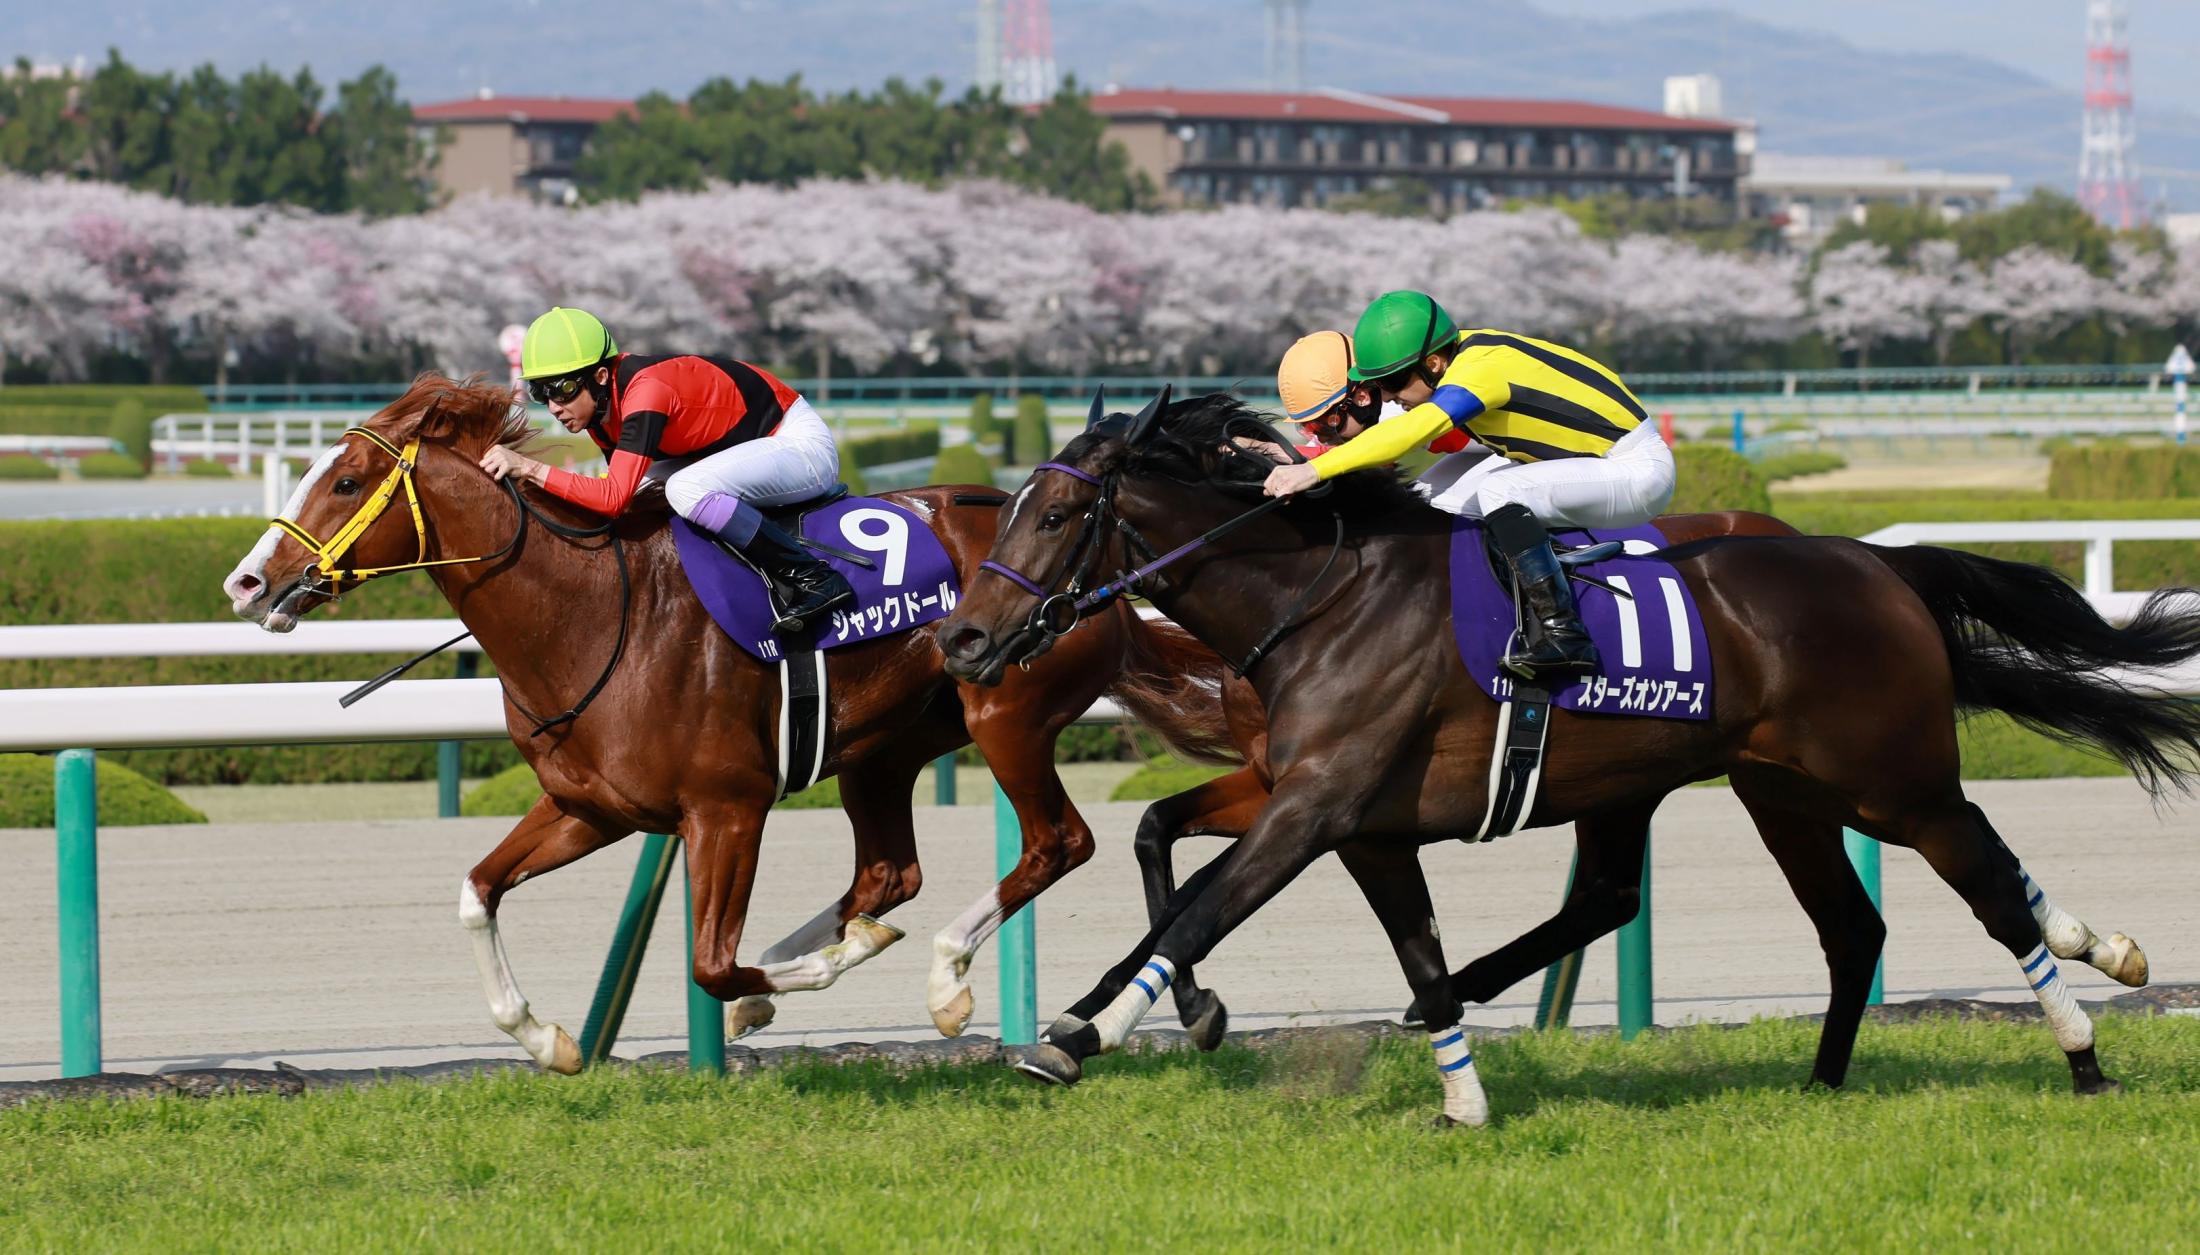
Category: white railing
<point>2100,537</point>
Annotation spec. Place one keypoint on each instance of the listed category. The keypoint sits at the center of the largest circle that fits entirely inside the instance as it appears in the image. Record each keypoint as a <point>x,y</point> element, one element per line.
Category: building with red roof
<point>513,145</point>
<point>1311,147</point>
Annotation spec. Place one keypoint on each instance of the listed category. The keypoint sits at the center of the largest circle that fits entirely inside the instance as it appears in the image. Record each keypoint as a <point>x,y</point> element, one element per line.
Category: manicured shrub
<point>894,446</point>
<point>2111,470</point>
<point>110,466</point>
<point>962,464</point>
<point>1034,443</point>
<point>132,428</point>
<point>1162,777</point>
<point>1712,478</point>
<point>1795,465</point>
<point>124,796</point>
<point>26,466</point>
<point>208,468</point>
<point>984,427</point>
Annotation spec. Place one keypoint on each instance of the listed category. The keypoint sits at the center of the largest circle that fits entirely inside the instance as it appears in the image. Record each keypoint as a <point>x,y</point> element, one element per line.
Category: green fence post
<point>943,780</point>
<point>1018,945</point>
<point>615,988</point>
<point>1864,854</point>
<point>1636,999</point>
<point>447,761</point>
<point>1556,1005</point>
<point>706,1015</point>
<point>76,869</point>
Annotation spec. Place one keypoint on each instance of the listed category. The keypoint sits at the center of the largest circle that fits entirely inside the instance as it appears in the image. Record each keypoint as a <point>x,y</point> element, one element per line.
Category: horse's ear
<point>1099,409</point>
<point>435,421</point>
<point>1143,425</point>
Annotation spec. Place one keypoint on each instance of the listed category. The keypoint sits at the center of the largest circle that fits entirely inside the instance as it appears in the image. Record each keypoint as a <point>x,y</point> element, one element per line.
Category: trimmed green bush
<point>893,446</point>
<point>1033,442</point>
<point>1711,478</point>
<point>124,796</point>
<point>132,428</point>
<point>26,466</point>
<point>962,464</point>
<point>1162,777</point>
<point>110,466</point>
<point>164,398</point>
<point>208,468</point>
<point>1796,465</point>
<point>2111,470</point>
<point>983,425</point>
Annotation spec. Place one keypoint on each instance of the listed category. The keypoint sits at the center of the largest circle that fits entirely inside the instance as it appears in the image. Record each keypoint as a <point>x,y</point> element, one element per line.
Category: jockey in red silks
<point>724,437</point>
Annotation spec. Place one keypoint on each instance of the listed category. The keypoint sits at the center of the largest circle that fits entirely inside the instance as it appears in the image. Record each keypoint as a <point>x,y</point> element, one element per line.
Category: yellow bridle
<point>327,554</point>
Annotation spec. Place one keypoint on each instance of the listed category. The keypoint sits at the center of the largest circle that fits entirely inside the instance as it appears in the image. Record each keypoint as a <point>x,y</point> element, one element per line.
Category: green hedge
<point>168,398</point>
<point>1796,465</point>
<point>2111,470</point>
<point>984,427</point>
<point>1711,478</point>
<point>110,466</point>
<point>132,428</point>
<point>1163,777</point>
<point>1033,443</point>
<point>124,796</point>
<point>513,792</point>
<point>26,466</point>
<point>208,468</point>
<point>962,464</point>
<point>894,446</point>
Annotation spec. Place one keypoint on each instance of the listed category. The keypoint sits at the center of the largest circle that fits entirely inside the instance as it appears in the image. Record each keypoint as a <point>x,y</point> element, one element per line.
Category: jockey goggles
<point>561,389</point>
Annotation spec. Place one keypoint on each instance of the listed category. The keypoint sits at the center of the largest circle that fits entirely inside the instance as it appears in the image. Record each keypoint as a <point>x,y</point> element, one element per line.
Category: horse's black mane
<point>1185,445</point>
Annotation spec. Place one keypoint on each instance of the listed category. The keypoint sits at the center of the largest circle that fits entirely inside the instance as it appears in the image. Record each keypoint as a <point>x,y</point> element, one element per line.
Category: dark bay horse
<point>1841,670</point>
<point>680,738</point>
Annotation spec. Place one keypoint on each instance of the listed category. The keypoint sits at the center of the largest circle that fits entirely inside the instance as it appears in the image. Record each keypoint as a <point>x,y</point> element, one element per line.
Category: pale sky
<point>2045,37</point>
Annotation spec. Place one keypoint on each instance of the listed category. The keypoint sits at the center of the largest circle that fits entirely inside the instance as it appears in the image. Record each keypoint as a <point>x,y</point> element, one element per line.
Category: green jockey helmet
<point>1398,330</point>
<point>564,341</point>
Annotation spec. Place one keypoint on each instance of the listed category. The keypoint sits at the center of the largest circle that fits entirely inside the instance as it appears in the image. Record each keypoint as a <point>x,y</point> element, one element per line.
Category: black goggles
<point>1362,404</point>
<point>561,389</point>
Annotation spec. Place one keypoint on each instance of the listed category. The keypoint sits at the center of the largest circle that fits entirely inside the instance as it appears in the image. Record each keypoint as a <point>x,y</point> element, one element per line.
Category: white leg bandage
<point>1122,1015</point>
<point>2119,957</point>
<point>2073,1028</point>
<point>1464,1100</point>
<point>549,1044</point>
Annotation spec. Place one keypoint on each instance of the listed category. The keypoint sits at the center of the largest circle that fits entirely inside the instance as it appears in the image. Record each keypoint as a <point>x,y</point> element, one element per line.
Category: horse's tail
<point>2024,642</point>
<point>1173,685</point>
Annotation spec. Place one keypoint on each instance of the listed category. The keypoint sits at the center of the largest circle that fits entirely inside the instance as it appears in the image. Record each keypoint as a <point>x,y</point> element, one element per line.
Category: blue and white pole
<point>2180,371</point>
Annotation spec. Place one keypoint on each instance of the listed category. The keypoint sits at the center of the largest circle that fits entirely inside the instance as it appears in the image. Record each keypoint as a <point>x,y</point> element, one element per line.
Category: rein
<point>324,574</point>
<point>1047,619</point>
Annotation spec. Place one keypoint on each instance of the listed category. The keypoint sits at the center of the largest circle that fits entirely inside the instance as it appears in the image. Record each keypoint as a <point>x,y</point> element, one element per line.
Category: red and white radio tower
<point>2108,178</point>
<point>1027,54</point>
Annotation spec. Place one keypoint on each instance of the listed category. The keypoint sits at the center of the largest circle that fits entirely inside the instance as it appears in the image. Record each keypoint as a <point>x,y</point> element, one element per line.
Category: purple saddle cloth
<point>1657,662</point>
<point>910,583</point>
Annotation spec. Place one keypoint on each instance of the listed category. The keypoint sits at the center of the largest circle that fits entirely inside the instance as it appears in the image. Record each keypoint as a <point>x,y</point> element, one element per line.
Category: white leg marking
<point>547,1043</point>
<point>1464,1100</point>
<point>2069,938</point>
<point>2073,1028</point>
<point>946,993</point>
<point>819,968</point>
<point>1119,1017</point>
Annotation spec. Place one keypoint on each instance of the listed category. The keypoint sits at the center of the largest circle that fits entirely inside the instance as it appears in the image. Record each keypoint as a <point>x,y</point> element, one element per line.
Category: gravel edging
<point>901,1057</point>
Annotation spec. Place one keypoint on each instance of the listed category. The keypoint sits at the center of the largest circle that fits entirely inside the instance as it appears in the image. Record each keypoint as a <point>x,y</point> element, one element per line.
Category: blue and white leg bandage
<point>2073,1028</point>
<point>1122,1015</point>
<point>1464,1100</point>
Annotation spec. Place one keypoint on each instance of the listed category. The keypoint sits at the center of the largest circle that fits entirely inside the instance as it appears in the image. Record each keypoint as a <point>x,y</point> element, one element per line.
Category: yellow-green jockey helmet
<point>564,341</point>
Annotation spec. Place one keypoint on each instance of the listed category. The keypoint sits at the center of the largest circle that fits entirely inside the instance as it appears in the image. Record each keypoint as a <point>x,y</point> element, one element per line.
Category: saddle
<point>788,518</point>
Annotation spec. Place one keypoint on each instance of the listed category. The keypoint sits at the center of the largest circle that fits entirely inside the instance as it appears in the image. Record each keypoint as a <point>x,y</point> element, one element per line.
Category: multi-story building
<point>1310,148</point>
<point>1810,196</point>
<point>512,145</point>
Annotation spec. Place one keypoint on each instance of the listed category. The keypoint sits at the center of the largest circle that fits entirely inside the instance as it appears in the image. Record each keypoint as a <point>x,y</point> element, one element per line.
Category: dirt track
<point>337,943</point>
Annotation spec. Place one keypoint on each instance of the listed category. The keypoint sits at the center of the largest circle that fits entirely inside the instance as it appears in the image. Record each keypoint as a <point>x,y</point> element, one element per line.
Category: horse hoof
<point>746,1015</point>
<point>1445,1124</point>
<point>2106,1085</point>
<point>1411,1017</point>
<point>1052,1064</point>
<point>1208,1026</point>
<point>565,1055</point>
<point>878,932</point>
<point>953,1018</point>
<point>2128,963</point>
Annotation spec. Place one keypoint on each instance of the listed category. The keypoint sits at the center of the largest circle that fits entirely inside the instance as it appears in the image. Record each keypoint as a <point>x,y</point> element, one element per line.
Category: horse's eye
<point>346,486</point>
<point>1052,521</point>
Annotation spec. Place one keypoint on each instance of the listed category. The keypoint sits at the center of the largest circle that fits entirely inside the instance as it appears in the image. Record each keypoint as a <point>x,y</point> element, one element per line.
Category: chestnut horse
<point>676,726</point>
<point>1841,668</point>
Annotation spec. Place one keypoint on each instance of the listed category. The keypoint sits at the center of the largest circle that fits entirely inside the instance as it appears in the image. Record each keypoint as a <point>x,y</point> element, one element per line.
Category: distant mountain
<point>1811,94</point>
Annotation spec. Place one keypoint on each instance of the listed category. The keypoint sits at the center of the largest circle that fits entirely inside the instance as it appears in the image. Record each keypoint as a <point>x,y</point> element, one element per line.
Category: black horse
<point>1841,668</point>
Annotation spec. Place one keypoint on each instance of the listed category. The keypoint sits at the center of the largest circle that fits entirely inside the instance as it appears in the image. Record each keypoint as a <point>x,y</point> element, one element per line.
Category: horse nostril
<point>966,642</point>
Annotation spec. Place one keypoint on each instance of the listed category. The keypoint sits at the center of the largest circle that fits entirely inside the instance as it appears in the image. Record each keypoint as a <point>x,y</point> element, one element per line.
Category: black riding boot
<point>810,588</point>
<point>1557,644</point>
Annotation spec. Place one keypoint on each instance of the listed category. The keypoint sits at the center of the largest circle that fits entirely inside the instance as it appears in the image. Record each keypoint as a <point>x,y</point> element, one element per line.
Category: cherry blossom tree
<point>2036,294</point>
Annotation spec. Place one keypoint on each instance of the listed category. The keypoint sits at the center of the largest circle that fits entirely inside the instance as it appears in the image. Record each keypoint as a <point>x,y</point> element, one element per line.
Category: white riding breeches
<point>1630,485</point>
<point>796,462</point>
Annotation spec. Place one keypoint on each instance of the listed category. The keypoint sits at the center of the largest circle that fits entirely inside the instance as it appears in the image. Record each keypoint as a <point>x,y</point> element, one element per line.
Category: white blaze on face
<point>247,583</point>
<point>1018,504</point>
